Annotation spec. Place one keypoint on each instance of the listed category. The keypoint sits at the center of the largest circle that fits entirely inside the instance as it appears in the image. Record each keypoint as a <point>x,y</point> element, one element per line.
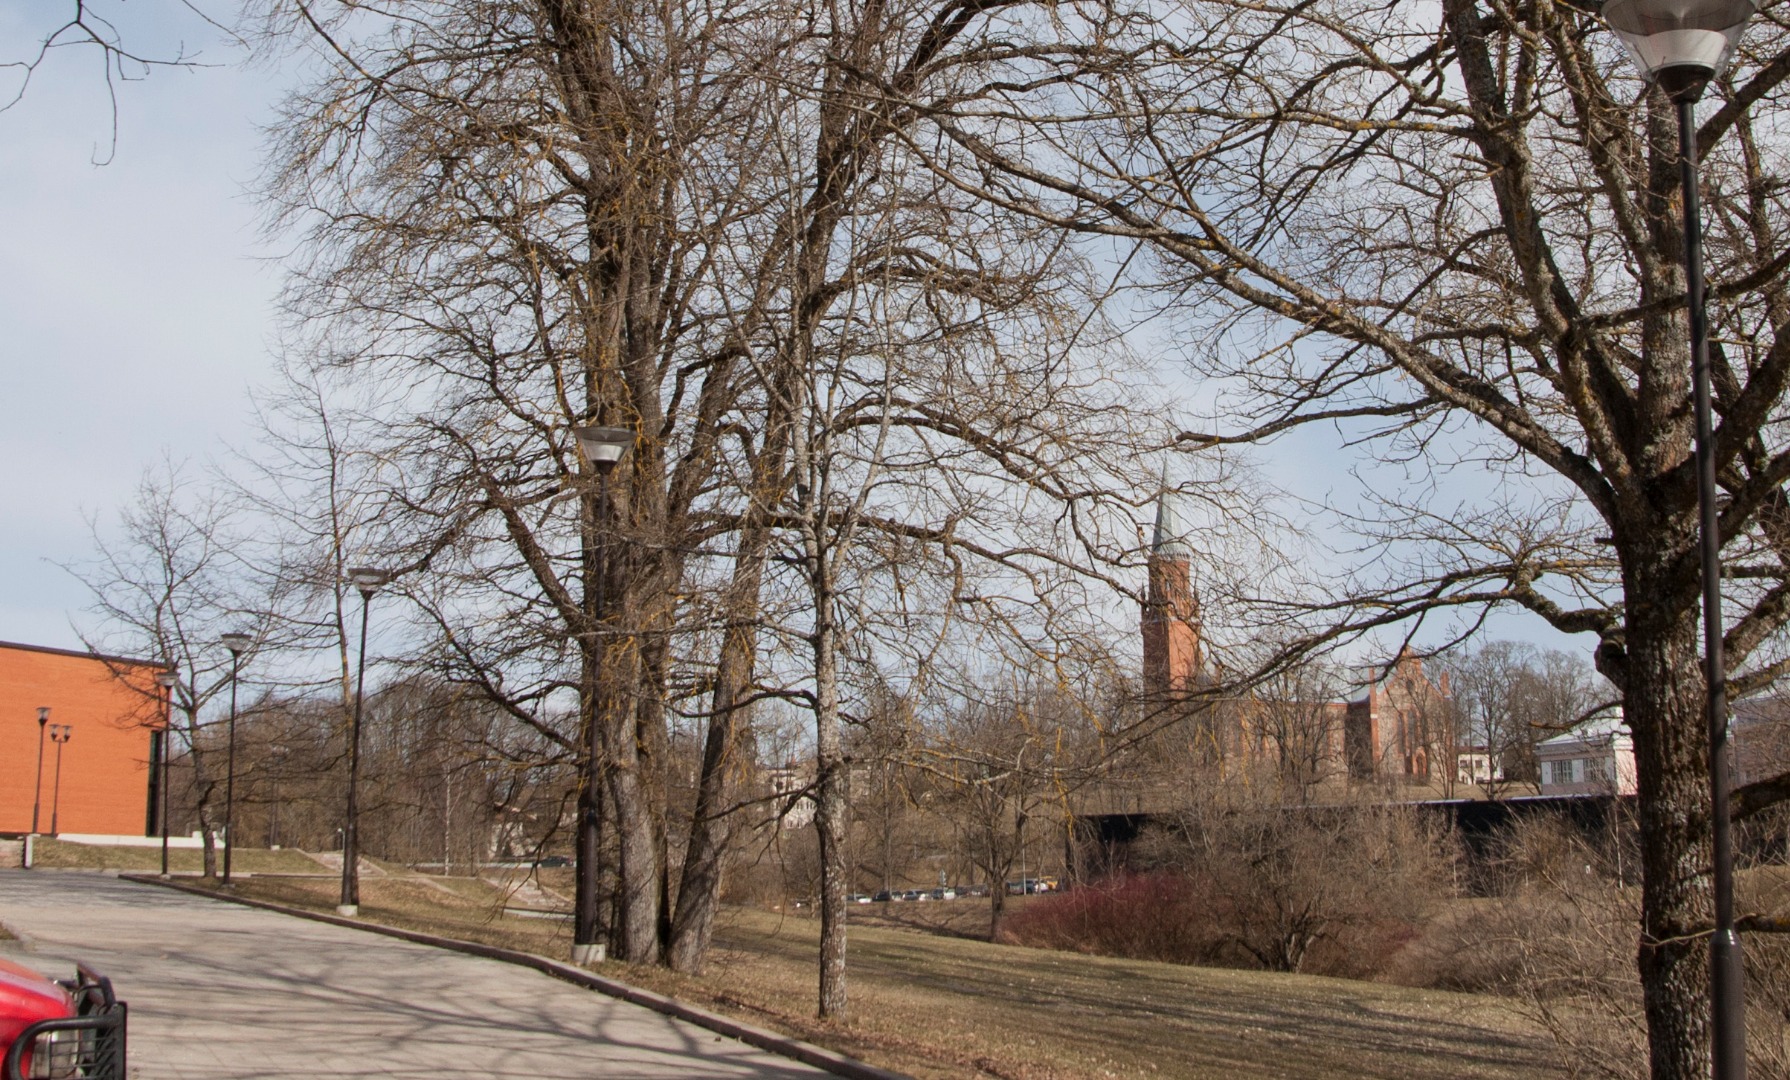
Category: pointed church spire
<point>1171,615</point>
<point>1170,538</point>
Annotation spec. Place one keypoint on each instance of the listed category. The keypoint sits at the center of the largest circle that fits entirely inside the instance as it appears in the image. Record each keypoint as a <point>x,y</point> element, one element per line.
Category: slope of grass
<point>935,1006</point>
<point>58,855</point>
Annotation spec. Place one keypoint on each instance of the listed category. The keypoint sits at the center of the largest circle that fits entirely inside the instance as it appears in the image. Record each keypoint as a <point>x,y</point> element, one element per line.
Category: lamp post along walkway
<point>167,679</point>
<point>1680,45</point>
<point>368,581</point>
<point>602,447</point>
<point>238,643</point>
<point>59,734</point>
<point>37,796</point>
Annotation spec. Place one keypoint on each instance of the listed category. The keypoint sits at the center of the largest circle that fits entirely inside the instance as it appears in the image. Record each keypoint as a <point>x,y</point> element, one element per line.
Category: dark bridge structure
<point>1103,842</point>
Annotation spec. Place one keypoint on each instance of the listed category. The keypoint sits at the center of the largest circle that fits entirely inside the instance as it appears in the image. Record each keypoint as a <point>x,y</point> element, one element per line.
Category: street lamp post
<point>1681,45</point>
<point>603,447</point>
<point>368,580</point>
<point>59,734</point>
<point>37,797</point>
<point>167,680</point>
<point>238,643</point>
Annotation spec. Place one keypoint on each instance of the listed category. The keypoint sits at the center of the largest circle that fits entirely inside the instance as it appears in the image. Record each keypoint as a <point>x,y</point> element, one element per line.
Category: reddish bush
<point>1152,916</point>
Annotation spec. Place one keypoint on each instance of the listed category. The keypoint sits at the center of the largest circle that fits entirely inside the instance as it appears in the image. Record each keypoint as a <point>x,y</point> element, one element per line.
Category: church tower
<point>1171,622</point>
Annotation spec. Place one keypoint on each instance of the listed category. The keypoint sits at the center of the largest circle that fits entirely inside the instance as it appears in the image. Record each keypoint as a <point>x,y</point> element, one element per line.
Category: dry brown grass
<point>936,1006</point>
<point>57,855</point>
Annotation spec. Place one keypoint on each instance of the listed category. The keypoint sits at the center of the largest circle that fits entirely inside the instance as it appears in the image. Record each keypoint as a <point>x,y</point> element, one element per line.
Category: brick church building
<point>1389,730</point>
<point>103,716</point>
<point>1173,662</point>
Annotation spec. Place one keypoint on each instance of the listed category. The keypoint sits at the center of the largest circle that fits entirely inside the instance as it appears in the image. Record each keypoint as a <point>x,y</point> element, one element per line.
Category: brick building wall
<point>1171,615</point>
<point>1399,724</point>
<point>112,705</point>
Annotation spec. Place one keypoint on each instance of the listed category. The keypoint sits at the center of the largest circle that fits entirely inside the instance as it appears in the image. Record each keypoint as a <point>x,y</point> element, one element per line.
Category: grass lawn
<point>934,1005</point>
<point>55,854</point>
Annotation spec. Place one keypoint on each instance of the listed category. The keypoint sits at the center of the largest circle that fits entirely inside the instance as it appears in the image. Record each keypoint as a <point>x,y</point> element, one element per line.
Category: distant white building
<point>786,781</point>
<point>1475,765</point>
<point>1596,758</point>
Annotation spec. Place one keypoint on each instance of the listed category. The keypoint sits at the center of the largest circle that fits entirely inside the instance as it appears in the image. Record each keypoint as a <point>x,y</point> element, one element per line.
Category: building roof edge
<point>84,654</point>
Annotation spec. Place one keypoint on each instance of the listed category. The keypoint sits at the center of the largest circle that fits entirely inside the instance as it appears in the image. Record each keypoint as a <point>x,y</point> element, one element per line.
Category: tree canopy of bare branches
<point>1453,231</point>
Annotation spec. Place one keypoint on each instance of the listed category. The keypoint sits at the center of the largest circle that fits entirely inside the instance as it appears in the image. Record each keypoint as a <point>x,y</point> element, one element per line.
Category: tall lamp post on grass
<point>238,643</point>
<point>37,797</point>
<point>167,680</point>
<point>59,734</point>
<point>1680,45</point>
<point>368,580</point>
<point>603,447</point>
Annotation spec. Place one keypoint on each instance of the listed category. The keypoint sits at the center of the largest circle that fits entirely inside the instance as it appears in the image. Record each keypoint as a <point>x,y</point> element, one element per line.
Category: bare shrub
<point>1331,891</point>
<point>1561,943</point>
<point>1150,916</point>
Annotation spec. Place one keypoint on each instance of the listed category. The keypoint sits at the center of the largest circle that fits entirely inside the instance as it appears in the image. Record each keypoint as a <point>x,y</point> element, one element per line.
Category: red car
<point>56,1029</point>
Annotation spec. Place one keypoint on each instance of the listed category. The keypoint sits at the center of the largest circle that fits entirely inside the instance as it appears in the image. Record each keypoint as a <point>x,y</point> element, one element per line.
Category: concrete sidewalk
<point>218,990</point>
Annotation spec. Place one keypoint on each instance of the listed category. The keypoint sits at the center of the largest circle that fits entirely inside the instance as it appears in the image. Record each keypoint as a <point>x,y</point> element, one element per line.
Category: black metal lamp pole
<point>367,580</point>
<point>59,734</point>
<point>1681,46</point>
<point>602,447</point>
<point>1727,973</point>
<point>237,643</point>
<point>167,680</point>
<point>37,797</point>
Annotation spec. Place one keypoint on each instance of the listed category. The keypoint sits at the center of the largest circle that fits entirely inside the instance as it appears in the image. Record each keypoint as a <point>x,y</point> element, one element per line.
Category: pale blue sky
<point>137,297</point>
<point>135,302</point>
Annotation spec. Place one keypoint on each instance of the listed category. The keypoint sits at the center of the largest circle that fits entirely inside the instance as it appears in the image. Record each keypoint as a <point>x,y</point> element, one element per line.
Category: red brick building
<point>1171,618</point>
<point>1401,726</point>
<point>112,709</point>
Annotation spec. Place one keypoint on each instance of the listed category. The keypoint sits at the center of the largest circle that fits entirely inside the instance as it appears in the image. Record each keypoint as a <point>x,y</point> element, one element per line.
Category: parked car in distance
<point>59,1027</point>
<point>883,896</point>
<point>946,893</point>
<point>858,898</point>
<point>912,894</point>
<point>553,862</point>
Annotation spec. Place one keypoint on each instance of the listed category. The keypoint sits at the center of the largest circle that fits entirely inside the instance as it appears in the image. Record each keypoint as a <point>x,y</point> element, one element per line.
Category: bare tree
<point>1448,230</point>
<point>89,26</point>
<point>1511,695</point>
<point>165,586</point>
<point>1297,715</point>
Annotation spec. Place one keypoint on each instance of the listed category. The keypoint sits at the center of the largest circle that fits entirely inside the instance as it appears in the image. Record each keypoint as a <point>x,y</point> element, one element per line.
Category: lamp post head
<point>368,579</point>
<point>43,715</point>
<point>1680,44</point>
<point>61,733</point>
<point>603,446</point>
<point>167,679</point>
<point>237,642</point>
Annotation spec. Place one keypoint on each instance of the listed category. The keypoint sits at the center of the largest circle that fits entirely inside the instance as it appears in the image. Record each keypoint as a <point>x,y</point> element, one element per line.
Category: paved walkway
<point>218,990</point>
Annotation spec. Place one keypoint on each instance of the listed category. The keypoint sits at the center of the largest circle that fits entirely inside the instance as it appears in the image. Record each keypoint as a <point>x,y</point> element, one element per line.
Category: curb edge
<point>763,1038</point>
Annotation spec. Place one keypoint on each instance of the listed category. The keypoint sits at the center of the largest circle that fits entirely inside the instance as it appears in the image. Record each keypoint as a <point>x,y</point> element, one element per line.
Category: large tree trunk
<point>588,928</point>
<point>729,732</point>
<point>1663,703</point>
<point>830,801</point>
<point>202,792</point>
<point>636,930</point>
